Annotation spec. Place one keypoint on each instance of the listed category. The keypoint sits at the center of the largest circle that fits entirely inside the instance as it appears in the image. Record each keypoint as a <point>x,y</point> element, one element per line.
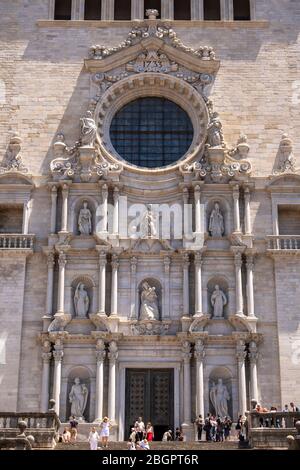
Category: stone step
<point>173,446</point>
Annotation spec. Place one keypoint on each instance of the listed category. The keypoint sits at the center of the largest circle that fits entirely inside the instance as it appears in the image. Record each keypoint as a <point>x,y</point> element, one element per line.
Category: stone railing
<point>270,430</point>
<point>44,427</point>
<point>283,242</point>
<point>16,241</point>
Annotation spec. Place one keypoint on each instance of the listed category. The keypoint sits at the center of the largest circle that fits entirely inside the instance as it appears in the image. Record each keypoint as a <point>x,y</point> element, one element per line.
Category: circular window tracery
<point>151,132</point>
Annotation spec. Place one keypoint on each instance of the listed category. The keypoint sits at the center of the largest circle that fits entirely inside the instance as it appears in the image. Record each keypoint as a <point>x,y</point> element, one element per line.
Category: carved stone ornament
<point>146,30</point>
<point>242,148</point>
<point>13,160</point>
<point>149,328</point>
<point>59,322</point>
<point>152,61</point>
<point>81,162</point>
<point>287,161</point>
<point>218,164</point>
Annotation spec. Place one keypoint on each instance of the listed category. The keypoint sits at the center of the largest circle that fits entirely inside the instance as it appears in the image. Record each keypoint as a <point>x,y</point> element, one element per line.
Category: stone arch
<point>225,209</point>
<point>153,282</point>
<point>85,376</point>
<point>90,287</point>
<point>223,283</point>
<point>75,209</point>
<point>151,85</point>
<point>221,373</point>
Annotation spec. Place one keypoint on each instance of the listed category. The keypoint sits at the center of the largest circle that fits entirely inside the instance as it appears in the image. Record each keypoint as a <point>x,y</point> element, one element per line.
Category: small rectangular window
<point>63,9</point>
<point>152,5</point>
<point>182,9</point>
<point>241,9</point>
<point>212,10</point>
<point>92,10</point>
<point>122,10</point>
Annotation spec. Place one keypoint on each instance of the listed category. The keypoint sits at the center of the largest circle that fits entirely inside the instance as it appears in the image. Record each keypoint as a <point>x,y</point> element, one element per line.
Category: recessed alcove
<point>11,218</point>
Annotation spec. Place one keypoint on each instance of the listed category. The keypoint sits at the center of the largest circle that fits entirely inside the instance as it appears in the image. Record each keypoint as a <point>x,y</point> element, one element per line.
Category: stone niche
<point>225,375</point>
<point>11,218</point>
<point>89,287</point>
<point>223,285</point>
<point>76,207</point>
<point>85,378</point>
<point>159,292</point>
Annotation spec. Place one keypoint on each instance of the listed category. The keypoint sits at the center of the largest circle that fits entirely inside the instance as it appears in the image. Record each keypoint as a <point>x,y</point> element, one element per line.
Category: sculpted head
<point>77,381</point>
<point>217,287</point>
<point>217,206</point>
<point>85,204</point>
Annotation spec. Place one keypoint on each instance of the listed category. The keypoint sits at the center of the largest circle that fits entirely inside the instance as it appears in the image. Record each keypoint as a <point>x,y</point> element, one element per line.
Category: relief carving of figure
<point>81,301</point>
<point>78,397</point>
<point>88,130</point>
<point>219,397</point>
<point>85,220</point>
<point>218,301</point>
<point>215,133</point>
<point>148,224</point>
<point>149,303</point>
<point>216,222</point>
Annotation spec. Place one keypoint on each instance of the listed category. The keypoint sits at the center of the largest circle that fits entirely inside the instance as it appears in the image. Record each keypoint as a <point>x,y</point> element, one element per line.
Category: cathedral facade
<point>149,209</point>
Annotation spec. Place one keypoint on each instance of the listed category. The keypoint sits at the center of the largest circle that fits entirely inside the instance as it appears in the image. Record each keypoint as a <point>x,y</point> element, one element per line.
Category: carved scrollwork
<point>13,159</point>
<point>149,328</point>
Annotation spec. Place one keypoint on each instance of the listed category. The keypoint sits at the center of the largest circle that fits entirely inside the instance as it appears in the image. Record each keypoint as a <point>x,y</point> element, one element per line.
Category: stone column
<point>241,355</point>
<point>253,356</point>
<point>167,9</point>
<point>166,311</point>
<point>248,229</point>
<point>137,9</point>
<point>112,356</point>
<point>187,229</point>
<point>197,10</point>
<point>199,355</point>
<point>197,193</point>
<point>108,8</point>
<point>100,357</point>
<point>230,10</point>
<point>133,288</point>
<point>64,212</point>
<point>53,209</point>
<point>198,284</point>
<point>102,282</point>
<point>116,211</point>
<point>238,283</point>
<point>114,285</point>
<point>46,357</point>
<point>58,355</point>
<point>26,211</point>
<point>74,10</point>
<point>51,9</point>
<point>223,10</point>
<point>236,212</point>
<point>49,306</point>
<point>250,288</point>
<point>186,290</point>
<point>104,208</point>
<point>186,356</point>
<point>62,261</point>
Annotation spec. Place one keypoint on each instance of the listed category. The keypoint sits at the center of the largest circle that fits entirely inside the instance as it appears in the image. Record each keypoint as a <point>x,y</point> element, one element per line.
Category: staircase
<point>172,446</point>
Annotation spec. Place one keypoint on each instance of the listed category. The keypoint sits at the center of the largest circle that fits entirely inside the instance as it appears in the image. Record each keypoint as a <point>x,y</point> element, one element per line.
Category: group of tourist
<point>140,435</point>
<point>278,422</point>
<point>216,429</point>
<point>69,435</point>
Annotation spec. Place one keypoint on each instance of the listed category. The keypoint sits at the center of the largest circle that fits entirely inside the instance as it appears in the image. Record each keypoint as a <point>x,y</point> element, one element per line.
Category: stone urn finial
<point>52,404</point>
<point>152,14</point>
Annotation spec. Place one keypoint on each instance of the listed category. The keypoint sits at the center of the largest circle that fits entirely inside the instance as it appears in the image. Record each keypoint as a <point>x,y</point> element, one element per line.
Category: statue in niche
<point>85,220</point>
<point>149,303</point>
<point>78,397</point>
<point>81,301</point>
<point>218,301</point>
<point>149,224</point>
<point>219,397</point>
<point>88,130</point>
<point>216,222</point>
<point>215,133</point>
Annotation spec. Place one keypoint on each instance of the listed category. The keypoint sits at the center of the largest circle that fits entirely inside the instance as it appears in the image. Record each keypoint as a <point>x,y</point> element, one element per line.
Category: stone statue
<point>88,130</point>
<point>219,397</point>
<point>85,220</point>
<point>81,301</point>
<point>218,301</point>
<point>148,224</point>
<point>149,303</point>
<point>216,222</point>
<point>78,397</point>
<point>215,133</point>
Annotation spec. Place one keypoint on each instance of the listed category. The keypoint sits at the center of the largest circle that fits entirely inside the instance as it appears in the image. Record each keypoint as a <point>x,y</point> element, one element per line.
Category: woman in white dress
<point>104,434</point>
<point>93,439</point>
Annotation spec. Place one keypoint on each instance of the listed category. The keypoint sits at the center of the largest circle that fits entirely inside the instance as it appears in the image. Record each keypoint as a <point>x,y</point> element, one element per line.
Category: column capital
<point>199,351</point>
<point>62,260</point>
<point>240,351</point>
<point>253,352</point>
<point>100,350</point>
<point>102,258</point>
<point>167,264</point>
<point>185,194</point>
<point>133,264</point>
<point>46,357</point>
<point>247,192</point>
<point>116,194</point>
<point>115,262</point>
<point>238,261</point>
<point>113,352</point>
<point>53,188</point>
<point>104,190</point>
<point>198,259</point>
<point>186,260</point>
<point>250,262</point>
<point>65,190</point>
<point>186,351</point>
<point>58,355</point>
<point>236,192</point>
<point>50,260</point>
<point>197,191</point>
<point>46,346</point>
